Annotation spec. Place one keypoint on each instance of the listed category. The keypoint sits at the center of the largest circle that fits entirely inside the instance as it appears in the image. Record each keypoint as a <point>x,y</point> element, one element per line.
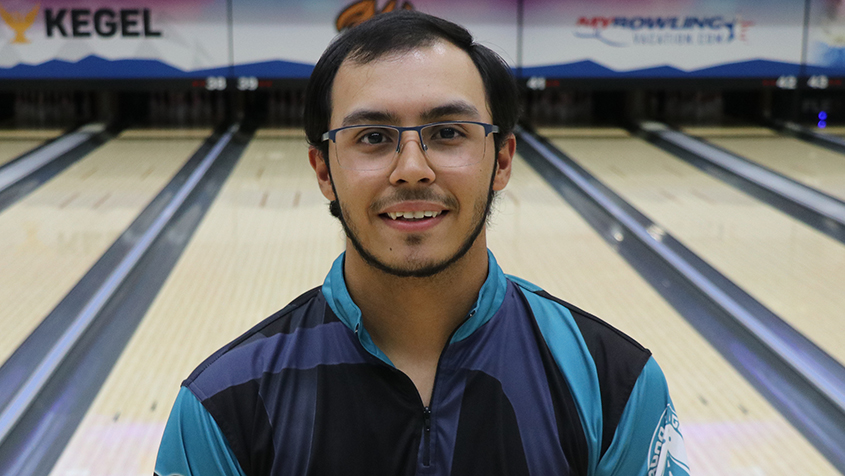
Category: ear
<point>504,161</point>
<point>324,176</point>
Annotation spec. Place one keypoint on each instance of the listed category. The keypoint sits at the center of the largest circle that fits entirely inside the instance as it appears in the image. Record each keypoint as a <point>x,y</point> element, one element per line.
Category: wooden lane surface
<point>14,142</point>
<point>556,132</point>
<point>718,132</point>
<point>791,268</point>
<point>247,261</point>
<point>267,238</point>
<point>807,163</point>
<point>832,130</point>
<point>729,429</point>
<point>50,239</point>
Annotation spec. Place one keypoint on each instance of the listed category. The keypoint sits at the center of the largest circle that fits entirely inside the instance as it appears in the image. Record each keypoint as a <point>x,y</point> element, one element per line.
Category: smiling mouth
<point>417,215</point>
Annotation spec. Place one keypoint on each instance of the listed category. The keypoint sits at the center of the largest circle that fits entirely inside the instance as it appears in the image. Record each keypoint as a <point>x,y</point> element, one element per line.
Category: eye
<point>374,136</point>
<point>447,132</point>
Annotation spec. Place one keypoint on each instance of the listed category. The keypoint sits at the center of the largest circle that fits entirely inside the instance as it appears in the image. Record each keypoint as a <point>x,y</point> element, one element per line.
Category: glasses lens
<point>366,147</point>
<point>447,144</point>
<point>455,144</point>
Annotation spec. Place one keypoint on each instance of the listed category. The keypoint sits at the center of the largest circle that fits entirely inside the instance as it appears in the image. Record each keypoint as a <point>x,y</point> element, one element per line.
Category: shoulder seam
<point>571,434</point>
<point>607,345</point>
<point>574,309</point>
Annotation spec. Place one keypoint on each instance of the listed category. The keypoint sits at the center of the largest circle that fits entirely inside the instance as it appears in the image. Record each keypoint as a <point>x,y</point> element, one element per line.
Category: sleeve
<point>648,439</point>
<point>192,444</point>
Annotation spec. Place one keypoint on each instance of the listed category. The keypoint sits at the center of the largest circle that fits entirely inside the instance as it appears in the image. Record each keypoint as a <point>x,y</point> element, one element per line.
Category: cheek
<point>358,191</point>
<point>470,186</point>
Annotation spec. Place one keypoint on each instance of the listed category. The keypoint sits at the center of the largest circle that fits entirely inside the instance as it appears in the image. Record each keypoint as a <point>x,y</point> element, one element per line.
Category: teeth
<point>412,215</point>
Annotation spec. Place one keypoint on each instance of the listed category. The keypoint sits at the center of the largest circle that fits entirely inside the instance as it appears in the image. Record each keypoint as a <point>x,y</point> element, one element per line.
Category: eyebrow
<point>364,116</point>
<point>371,116</point>
<point>457,108</point>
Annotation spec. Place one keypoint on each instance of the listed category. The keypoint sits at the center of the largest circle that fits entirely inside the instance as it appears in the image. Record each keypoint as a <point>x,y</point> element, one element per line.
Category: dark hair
<point>398,32</point>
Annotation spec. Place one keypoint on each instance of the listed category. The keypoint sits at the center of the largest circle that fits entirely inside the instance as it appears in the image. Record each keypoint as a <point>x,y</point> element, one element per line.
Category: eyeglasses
<point>445,144</point>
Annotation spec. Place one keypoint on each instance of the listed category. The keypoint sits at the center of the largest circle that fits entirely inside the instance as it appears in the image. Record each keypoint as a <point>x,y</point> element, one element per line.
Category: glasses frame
<point>332,134</point>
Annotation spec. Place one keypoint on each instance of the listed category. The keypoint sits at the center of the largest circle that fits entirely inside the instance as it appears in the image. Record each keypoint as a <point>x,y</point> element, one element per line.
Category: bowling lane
<point>791,268</point>
<point>728,427</point>
<point>50,239</point>
<point>14,142</point>
<point>269,237</point>
<point>807,163</point>
<point>831,130</point>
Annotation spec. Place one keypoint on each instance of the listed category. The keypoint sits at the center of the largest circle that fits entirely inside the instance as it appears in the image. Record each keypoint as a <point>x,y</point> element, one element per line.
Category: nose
<point>411,164</point>
<point>420,142</point>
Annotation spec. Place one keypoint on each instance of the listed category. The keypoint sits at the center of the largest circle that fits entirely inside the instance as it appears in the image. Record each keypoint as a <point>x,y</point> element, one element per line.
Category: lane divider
<point>833,388</point>
<point>24,397</point>
<point>808,197</point>
<point>834,143</point>
<point>16,170</point>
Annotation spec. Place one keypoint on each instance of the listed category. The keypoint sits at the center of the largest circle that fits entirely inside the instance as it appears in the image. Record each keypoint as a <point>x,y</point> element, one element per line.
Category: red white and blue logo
<point>622,31</point>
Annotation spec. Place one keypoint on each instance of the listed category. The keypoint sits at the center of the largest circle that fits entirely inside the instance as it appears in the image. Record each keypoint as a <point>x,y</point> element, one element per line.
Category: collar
<point>490,298</point>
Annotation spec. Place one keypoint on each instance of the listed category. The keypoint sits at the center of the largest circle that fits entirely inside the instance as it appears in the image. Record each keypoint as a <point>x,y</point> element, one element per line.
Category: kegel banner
<point>145,39</point>
<point>114,39</point>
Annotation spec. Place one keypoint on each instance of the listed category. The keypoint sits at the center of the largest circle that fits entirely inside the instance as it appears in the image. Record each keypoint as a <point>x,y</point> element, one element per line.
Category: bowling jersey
<point>527,385</point>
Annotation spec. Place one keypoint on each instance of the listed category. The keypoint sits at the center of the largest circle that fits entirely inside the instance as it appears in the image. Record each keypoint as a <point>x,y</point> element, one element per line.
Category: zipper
<point>427,409</point>
<point>426,436</point>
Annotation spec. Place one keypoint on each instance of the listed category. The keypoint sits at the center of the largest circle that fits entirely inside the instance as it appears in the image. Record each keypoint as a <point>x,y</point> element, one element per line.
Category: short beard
<point>426,271</point>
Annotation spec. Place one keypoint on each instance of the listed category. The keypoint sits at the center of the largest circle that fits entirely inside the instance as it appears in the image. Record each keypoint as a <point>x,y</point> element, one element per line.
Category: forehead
<point>408,85</point>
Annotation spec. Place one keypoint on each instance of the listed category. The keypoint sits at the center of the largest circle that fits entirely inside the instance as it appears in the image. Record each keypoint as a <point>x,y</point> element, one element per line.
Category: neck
<point>414,317</point>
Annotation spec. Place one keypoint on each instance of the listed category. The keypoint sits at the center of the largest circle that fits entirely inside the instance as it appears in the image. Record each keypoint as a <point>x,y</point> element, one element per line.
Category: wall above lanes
<point>285,39</point>
<point>219,41</point>
<point>115,39</point>
<point>663,38</point>
<point>826,38</point>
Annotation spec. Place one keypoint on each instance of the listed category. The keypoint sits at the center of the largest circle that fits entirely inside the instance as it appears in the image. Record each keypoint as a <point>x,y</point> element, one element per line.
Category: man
<point>418,355</point>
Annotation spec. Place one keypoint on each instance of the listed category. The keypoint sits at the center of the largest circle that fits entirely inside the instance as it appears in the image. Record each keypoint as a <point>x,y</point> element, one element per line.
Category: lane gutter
<point>830,142</point>
<point>63,378</point>
<point>801,380</point>
<point>22,175</point>
<point>813,207</point>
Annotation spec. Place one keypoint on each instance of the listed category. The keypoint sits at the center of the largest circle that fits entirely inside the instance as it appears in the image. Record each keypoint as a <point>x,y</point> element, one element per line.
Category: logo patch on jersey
<point>667,455</point>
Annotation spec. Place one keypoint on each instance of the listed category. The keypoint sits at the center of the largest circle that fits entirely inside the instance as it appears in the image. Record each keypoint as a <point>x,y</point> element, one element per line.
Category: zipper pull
<point>427,418</point>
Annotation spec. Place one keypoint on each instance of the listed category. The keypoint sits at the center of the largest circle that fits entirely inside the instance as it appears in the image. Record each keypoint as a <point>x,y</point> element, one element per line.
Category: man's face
<point>430,84</point>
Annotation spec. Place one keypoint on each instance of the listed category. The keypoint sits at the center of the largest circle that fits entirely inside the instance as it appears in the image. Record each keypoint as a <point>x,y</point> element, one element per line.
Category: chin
<point>410,266</point>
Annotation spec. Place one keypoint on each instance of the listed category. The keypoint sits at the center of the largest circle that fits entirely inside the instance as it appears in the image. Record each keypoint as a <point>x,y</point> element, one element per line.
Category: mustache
<point>406,195</point>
